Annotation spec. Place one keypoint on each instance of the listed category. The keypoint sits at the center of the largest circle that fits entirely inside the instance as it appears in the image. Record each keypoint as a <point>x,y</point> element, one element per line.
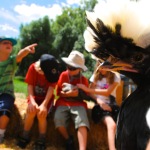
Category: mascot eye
<point>100,54</point>
<point>137,58</point>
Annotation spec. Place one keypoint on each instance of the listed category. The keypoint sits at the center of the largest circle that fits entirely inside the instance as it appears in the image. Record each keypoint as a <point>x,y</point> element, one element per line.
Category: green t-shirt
<point>7,71</point>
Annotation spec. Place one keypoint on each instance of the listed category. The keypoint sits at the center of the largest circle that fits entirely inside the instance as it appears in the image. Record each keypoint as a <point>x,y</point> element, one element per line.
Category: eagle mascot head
<point>119,31</point>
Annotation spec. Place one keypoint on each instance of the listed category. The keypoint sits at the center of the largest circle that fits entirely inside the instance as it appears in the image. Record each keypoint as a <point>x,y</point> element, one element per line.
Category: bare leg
<point>42,122</point>
<point>4,122</point>
<point>111,130</point>
<point>82,137</point>
<point>29,119</point>
<point>63,132</point>
<point>25,139</point>
<point>148,146</point>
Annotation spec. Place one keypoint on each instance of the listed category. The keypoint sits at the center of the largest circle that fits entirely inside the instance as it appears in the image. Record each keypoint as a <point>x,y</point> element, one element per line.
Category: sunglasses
<point>71,68</point>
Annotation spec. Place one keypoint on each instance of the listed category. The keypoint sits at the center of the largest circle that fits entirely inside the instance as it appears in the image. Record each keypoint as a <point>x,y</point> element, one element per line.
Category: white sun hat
<point>75,59</point>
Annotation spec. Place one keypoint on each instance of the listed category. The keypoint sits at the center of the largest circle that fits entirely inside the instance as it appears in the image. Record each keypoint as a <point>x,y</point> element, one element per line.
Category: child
<point>67,107</point>
<point>8,65</point>
<point>103,85</point>
<point>41,79</point>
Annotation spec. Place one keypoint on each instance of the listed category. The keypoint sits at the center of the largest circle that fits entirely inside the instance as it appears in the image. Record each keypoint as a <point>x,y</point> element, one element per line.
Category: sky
<point>13,13</point>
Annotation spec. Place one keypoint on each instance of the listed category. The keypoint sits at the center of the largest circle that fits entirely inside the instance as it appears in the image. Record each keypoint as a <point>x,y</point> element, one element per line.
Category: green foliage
<point>57,37</point>
<point>19,85</point>
<point>36,32</point>
<point>67,29</point>
<point>89,4</point>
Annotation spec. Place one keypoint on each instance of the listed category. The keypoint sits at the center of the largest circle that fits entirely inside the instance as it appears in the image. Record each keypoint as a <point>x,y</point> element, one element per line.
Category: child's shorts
<point>98,113</point>
<point>6,104</point>
<point>78,114</point>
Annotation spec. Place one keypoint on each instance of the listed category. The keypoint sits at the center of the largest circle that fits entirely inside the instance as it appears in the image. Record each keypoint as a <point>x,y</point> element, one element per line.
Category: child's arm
<point>25,51</point>
<point>48,96</point>
<point>105,92</point>
<point>32,107</point>
<point>43,107</point>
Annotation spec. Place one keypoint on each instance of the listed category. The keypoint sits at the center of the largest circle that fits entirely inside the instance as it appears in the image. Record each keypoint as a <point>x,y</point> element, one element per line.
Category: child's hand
<point>31,48</point>
<point>25,51</point>
<point>83,87</point>
<point>42,111</point>
<point>70,93</point>
<point>32,107</point>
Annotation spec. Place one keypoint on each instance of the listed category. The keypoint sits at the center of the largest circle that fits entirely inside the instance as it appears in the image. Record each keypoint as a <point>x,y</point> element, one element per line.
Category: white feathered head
<point>119,30</point>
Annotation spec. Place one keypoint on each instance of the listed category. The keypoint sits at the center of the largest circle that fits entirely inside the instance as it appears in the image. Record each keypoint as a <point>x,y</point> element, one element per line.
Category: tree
<point>36,32</point>
<point>58,36</point>
<point>89,4</point>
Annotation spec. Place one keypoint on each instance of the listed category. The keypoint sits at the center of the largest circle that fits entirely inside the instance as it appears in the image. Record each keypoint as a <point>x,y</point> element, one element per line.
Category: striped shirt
<point>7,71</point>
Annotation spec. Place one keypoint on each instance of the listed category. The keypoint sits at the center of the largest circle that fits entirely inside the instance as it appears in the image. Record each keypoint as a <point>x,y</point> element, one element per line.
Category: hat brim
<point>71,63</point>
<point>13,41</point>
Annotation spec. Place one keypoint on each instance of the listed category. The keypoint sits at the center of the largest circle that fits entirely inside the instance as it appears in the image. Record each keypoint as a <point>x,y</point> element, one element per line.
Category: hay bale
<point>97,136</point>
<point>119,93</point>
<point>15,124</point>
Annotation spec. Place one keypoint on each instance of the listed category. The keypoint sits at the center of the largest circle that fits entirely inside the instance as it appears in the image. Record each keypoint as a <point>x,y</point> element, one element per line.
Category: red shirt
<point>64,78</point>
<point>39,83</point>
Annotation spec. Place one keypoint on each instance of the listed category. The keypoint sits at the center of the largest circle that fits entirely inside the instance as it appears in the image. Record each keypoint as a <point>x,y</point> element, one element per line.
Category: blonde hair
<point>98,75</point>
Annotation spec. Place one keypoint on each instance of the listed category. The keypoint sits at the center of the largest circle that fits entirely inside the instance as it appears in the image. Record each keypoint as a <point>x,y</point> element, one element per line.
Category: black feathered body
<point>132,129</point>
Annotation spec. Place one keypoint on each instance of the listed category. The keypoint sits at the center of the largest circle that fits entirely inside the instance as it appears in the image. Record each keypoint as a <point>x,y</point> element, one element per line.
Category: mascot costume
<point>118,31</point>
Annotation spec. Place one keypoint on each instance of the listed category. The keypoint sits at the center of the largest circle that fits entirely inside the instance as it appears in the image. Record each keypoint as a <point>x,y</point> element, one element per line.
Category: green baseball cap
<point>13,41</point>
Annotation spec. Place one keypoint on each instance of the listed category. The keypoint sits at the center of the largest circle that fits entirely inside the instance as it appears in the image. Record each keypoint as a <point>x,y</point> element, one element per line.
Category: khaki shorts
<point>78,114</point>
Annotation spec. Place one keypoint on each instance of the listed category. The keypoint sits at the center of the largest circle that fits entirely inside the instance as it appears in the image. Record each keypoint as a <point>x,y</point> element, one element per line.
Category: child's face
<point>6,46</point>
<point>72,70</point>
<point>103,71</point>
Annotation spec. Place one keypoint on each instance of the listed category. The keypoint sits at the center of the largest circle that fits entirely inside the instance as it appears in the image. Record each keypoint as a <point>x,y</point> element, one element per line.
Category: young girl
<point>103,86</point>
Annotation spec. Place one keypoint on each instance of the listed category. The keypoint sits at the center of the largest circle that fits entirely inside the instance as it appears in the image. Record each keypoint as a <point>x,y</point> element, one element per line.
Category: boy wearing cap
<point>68,108</point>
<point>41,79</point>
<point>8,65</point>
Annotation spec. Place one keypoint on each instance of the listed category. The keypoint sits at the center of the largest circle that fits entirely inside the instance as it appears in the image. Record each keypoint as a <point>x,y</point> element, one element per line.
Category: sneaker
<point>70,143</point>
<point>40,144</point>
<point>22,142</point>
<point>1,138</point>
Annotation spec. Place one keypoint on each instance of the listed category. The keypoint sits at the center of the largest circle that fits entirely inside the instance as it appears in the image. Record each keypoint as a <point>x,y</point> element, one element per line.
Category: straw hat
<point>75,59</point>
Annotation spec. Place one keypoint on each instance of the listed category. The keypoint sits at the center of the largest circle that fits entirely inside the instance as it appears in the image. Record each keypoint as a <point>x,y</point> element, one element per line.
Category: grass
<point>19,85</point>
